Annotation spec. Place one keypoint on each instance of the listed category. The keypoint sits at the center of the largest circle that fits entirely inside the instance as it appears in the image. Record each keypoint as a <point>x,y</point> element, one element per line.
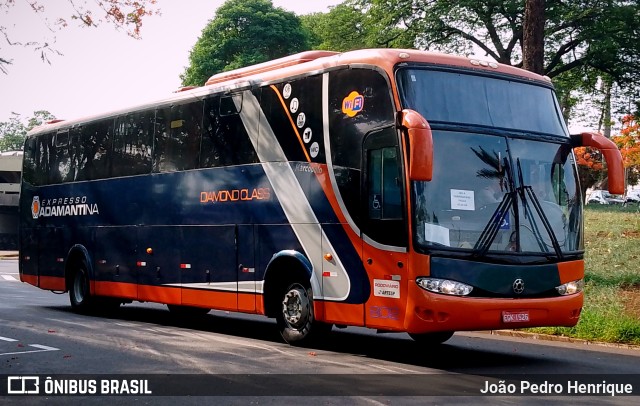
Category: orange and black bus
<point>399,190</point>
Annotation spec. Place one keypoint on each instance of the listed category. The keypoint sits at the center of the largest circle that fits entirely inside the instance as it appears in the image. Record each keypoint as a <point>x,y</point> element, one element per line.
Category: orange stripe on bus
<point>210,298</point>
<point>260,304</point>
<point>52,283</point>
<point>30,279</point>
<point>344,313</point>
<point>160,294</point>
<point>247,302</point>
<point>116,289</point>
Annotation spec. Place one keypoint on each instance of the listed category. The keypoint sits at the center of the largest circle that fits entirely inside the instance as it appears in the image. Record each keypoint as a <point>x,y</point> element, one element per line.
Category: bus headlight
<point>571,288</point>
<point>444,286</point>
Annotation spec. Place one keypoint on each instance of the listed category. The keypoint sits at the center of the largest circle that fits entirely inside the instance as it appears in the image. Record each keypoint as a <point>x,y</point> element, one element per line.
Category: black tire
<point>79,291</point>
<point>295,318</point>
<point>432,338</point>
<point>188,311</point>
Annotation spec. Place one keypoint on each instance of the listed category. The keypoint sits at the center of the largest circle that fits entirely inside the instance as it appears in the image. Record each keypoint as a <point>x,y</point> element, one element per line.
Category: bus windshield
<point>452,97</point>
<point>500,195</point>
<point>493,191</point>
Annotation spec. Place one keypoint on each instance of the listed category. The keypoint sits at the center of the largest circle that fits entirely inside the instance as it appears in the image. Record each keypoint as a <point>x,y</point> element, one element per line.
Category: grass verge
<point>611,311</point>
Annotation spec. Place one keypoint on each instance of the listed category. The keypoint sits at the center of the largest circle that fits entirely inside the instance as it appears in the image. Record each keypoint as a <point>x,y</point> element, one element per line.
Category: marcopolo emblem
<point>518,286</point>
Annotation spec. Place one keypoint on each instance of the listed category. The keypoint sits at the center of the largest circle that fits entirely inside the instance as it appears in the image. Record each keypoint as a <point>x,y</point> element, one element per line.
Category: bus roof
<point>306,62</point>
<point>385,58</point>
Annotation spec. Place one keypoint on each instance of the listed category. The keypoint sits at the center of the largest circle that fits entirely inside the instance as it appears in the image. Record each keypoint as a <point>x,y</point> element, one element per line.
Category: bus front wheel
<point>295,318</point>
<point>79,292</point>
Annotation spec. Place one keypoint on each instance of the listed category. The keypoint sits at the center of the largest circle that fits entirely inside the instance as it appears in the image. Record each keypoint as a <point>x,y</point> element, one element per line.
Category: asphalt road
<point>241,359</point>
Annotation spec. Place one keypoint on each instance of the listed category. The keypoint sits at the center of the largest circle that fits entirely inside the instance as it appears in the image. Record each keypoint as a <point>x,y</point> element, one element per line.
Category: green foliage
<point>244,32</point>
<point>603,319</point>
<point>14,131</point>
<point>612,274</point>
<point>341,29</point>
<point>457,27</point>
<point>583,39</point>
<point>593,33</point>
<point>12,134</point>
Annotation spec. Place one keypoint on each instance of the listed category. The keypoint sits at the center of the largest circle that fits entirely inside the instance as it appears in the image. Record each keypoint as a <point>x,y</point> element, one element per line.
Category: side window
<point>383,195</point>
<point>132,144</point>
<point>60,170</point>
<point>45,154</point>
<point>29,161</point>
<point>225,140</point>
<point>96,149</point>
<point>177,145</point>
<point>76,155</point>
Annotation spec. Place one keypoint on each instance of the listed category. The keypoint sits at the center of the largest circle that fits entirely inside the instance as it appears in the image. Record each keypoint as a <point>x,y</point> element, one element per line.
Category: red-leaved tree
<point>629,144</point>
<point>124,15</point>
<point>590,168</point>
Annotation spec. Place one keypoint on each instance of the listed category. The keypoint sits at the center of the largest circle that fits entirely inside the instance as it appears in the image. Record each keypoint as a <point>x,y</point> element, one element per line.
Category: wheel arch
<point>286,267</point>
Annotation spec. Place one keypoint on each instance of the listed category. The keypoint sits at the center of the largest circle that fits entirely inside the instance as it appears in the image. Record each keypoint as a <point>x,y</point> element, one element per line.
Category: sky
<point>101,68</point>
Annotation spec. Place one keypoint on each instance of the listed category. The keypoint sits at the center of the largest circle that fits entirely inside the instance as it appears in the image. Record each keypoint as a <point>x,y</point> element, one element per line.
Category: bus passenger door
<point>115,262</point>
<point>208,267</point>
<point>384,229</point>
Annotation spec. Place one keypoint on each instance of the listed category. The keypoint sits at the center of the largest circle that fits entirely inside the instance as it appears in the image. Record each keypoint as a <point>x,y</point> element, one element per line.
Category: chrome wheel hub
<point>295,307</point>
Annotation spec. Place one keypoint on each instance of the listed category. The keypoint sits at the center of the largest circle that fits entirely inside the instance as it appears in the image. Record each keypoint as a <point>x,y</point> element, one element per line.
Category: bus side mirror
<point>420,145</point>
<point>615,169</point>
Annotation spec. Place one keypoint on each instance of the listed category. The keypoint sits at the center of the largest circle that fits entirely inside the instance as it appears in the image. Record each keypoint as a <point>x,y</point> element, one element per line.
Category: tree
<point>597,33</point>
<point>533,36</point>
<point>14,131</point>
<point>351,25</point>
<point>244,32</point>
<point>629,144</point>
<point>122,14</point>
<point>582,41</point>
<point>341,29</point>
<point>591,171</point>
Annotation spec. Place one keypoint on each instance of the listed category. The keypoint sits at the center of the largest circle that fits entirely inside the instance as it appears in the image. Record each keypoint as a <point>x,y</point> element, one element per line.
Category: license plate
<point>515,317</point>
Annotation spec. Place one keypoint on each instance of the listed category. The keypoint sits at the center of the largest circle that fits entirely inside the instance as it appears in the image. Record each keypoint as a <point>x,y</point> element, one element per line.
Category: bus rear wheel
<point>432,338</point>
<point>79,291</point>
<point>295,318</point>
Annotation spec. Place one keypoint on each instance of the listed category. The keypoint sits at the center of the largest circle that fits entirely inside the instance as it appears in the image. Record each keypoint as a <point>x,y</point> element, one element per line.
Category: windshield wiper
<point>523,191</point>
<point>491,229</point>
<point>545,221</point>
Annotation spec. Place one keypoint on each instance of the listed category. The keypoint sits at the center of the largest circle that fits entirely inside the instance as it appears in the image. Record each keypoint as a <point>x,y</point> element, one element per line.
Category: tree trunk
<point>533,36</point>
<point>606,107</point>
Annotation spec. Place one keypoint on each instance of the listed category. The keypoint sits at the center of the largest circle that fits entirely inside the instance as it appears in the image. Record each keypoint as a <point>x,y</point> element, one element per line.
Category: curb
<point>563,339</point>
